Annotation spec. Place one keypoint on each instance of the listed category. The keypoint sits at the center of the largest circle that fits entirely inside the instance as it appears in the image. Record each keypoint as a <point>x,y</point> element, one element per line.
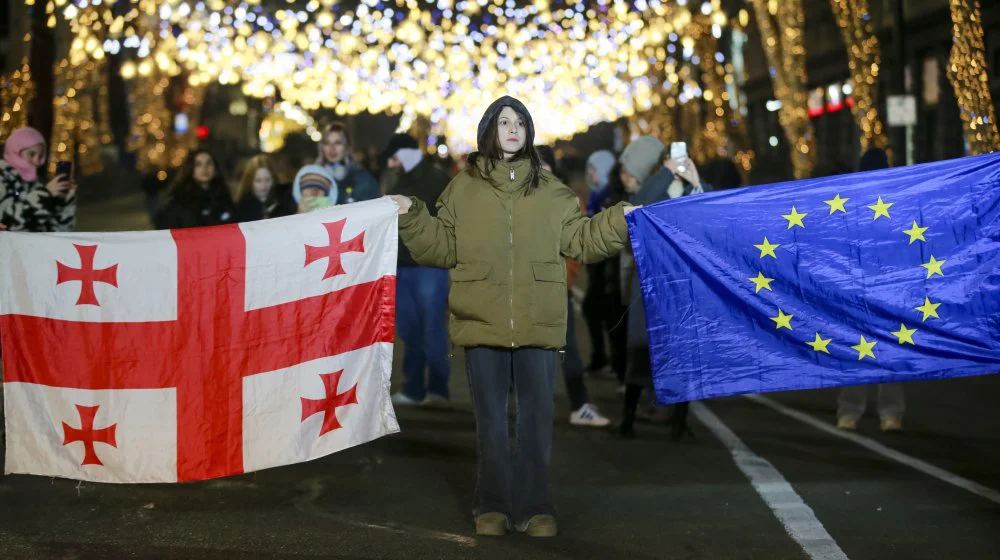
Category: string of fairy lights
<point>967,72</point>
<point>689,99</point>
<point>16,92</point>
<point>783,40</point>
<point>437,63</point>
<point>725,131</point>
<point>864,61</point>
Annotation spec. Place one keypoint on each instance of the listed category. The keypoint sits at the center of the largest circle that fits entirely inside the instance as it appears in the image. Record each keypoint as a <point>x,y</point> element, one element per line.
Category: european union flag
<point>886,276</point>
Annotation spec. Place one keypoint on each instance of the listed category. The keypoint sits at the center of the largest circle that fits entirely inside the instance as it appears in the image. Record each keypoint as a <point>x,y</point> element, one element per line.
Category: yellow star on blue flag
<point>864,348</point>
<point>881,208</point>
<point>794,218</point>
<point>837,204</point>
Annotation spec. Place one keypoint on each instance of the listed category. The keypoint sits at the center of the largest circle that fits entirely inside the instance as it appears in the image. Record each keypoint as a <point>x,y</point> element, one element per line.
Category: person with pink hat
<point>25,203</point>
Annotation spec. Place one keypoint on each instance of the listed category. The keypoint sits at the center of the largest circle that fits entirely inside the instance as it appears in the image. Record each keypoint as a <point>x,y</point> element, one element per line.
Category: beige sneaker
<point>541,526</point>
<point>491,524</point>
<point>891,424</point>
<point>847,423</point>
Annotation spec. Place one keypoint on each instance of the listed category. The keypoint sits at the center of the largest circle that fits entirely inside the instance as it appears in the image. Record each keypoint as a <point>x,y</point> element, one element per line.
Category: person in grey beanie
<point>639,160</point>
<point>650,178</point>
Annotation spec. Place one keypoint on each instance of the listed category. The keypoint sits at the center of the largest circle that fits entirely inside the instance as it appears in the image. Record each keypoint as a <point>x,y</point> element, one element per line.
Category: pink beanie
<point>19,140</point>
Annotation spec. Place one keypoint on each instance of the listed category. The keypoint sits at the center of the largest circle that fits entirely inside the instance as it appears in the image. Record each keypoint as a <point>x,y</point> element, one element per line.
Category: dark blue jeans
<point>421,317</point>
<point>512,480</point>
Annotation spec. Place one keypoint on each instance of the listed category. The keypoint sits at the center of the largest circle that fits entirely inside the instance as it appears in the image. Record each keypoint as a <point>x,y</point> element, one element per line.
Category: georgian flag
<point>181,355</point>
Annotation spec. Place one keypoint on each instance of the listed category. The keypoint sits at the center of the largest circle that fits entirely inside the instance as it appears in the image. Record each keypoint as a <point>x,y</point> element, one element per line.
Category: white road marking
<point>797,518</point>
<point>313,489</point>
<point>887,452</point>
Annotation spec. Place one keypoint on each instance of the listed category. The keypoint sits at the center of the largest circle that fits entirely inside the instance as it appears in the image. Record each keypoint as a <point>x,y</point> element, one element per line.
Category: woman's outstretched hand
<point>630,209</point>
<point>403,202</point>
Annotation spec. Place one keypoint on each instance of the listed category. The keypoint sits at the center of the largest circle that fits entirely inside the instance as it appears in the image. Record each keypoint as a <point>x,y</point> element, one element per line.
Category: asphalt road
<point>763,478</point>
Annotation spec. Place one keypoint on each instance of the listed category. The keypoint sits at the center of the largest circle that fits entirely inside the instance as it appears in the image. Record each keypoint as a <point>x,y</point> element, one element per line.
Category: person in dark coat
<point>650,179</point>
<point>421,291</point>
<point>722,174</point>
<point>198,197</point>
<point>260,196</point>
<point>596,302</point>
<point>611,278</point>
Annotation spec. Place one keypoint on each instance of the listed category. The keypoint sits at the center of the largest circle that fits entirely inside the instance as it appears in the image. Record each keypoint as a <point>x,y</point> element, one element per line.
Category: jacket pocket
<point>471,295</point>
<point>470,272</point>
<point>549,294</point>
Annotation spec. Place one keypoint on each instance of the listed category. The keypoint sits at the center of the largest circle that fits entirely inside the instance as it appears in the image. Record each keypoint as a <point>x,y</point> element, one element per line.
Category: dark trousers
<point>573,368</point>
<point>595,313</point>
<point>640,367</point>
<point>618,335</point>
<point>421,317</point>
<point>513,480</point>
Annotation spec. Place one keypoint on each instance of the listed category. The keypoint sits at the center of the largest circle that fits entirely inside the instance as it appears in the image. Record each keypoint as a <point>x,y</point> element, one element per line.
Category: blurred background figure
<point>421,291</point>
<point>25,203</point>
<point>853,401</point>
<point>154,184</point>
<point>596,301</point>
<point>355,183</point>
<point>260,196</point>
<point>198,196</point>
<point>617,304</point>
<point>722,174</point>
<point>582,412</point>
<point>829,169</point>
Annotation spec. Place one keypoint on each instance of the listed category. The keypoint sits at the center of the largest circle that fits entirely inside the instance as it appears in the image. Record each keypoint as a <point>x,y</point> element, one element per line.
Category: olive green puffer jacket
<point>504,243</point>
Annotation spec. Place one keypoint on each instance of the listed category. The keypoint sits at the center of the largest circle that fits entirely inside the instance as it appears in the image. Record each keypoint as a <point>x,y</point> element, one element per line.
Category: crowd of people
<point>489,255</point>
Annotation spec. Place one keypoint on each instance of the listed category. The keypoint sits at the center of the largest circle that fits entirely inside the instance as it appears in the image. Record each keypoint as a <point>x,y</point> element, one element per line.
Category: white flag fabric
<point>192,354</point>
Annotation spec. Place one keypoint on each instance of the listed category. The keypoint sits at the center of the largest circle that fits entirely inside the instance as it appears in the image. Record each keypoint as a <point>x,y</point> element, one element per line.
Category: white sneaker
<point>399,399</point>
<point>588,416</point>
<point>620,390</point>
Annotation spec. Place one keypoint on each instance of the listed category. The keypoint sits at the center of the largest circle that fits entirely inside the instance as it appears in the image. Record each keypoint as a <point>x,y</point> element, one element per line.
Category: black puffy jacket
<point>196,208</point>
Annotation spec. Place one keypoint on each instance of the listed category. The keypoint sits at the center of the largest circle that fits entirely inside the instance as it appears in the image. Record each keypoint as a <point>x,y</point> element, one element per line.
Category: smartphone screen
<point>678,150</point>
<point>65,169</point>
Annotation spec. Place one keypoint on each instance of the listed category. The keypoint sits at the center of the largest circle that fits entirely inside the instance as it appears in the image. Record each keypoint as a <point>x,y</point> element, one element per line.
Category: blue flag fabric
<point>886,276</point>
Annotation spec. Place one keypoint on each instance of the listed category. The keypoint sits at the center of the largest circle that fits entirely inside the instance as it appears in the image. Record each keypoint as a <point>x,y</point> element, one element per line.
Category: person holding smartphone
<point>26,204</point>
<point>649,177</point>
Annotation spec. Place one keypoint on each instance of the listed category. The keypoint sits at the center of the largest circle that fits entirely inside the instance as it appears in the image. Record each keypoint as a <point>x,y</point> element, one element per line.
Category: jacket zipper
<point>510,232</point>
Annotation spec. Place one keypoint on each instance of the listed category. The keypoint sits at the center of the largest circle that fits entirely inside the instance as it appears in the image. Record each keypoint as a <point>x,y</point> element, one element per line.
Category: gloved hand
<point>314,203</point>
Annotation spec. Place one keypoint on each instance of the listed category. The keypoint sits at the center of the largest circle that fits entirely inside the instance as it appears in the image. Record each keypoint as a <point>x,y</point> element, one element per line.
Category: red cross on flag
<point>181,355</point>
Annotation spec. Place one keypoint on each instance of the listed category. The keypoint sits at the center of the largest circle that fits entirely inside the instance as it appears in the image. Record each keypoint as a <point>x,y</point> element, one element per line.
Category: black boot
<point>678,423</point>
<point>632,394</point>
